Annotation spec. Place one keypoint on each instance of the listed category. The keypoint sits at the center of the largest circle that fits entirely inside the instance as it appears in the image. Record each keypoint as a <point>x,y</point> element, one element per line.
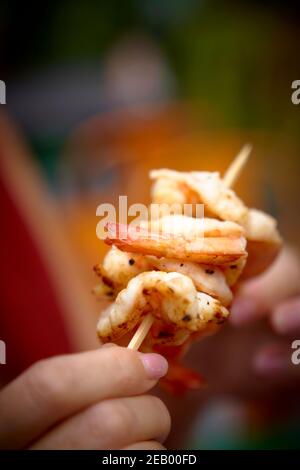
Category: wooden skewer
<point>229,179</point>
<point>236,167</point>
<point>141,332</point>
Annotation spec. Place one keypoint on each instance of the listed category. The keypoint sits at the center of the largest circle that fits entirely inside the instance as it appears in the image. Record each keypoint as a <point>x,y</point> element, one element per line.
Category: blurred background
<point>98,93</point>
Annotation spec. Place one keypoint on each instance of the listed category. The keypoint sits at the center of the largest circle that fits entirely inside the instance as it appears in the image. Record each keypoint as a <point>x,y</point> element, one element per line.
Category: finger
<point>279,360</point>
<point>285,318</point>
<point>111,424</point>
<point>259,295</point>
<point>54,389</point>
<point>147,445</point>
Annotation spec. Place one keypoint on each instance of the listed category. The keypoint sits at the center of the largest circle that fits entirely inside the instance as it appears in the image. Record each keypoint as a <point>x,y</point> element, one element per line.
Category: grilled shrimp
<point>191,228</point>
<point>207,279</point>
<point>119,267</point>
<point>222,243</point>
<point>171,297</point>
<point>116,271</point>
<point>235,270</point>
<point>198,187</point>
<point>264,242</point>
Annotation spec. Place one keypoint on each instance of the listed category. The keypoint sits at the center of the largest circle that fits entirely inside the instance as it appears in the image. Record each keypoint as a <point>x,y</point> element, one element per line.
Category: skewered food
<point>264,241</point>
<point>120,267</point>
<point>216,246</point>
<point>198,187</point>
<point>169,279</point>
<point>171,297</point>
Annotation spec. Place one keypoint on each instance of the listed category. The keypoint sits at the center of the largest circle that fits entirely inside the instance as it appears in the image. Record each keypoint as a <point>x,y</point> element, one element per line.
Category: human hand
<point>276,296</point>
<point>90,400</point>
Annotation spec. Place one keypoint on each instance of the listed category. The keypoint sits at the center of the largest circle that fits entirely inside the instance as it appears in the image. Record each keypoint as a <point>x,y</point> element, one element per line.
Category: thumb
<point>257,297</point>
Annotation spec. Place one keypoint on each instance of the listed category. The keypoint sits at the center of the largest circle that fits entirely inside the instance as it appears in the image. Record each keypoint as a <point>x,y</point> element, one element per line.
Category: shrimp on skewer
<point>190,227</point>
<point>264,241</point>
<point>195,263</point>
<point>120,267</point>
<point>231,175</point>
<point>117,269</point>
<point>198,187</point>
<point>217,249</point>
<point>207,279</point>
<point>170,297</point>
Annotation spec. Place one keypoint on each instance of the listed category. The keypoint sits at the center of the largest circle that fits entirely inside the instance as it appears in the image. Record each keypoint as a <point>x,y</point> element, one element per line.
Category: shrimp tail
<point>181,379</point>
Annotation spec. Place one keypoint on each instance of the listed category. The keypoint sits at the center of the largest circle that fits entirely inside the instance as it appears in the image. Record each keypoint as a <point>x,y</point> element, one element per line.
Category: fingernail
<point>108,345</point>
<point>286,320</point>
<point>243,310</point>
<point>156,366</point>
<point>270,361</point>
